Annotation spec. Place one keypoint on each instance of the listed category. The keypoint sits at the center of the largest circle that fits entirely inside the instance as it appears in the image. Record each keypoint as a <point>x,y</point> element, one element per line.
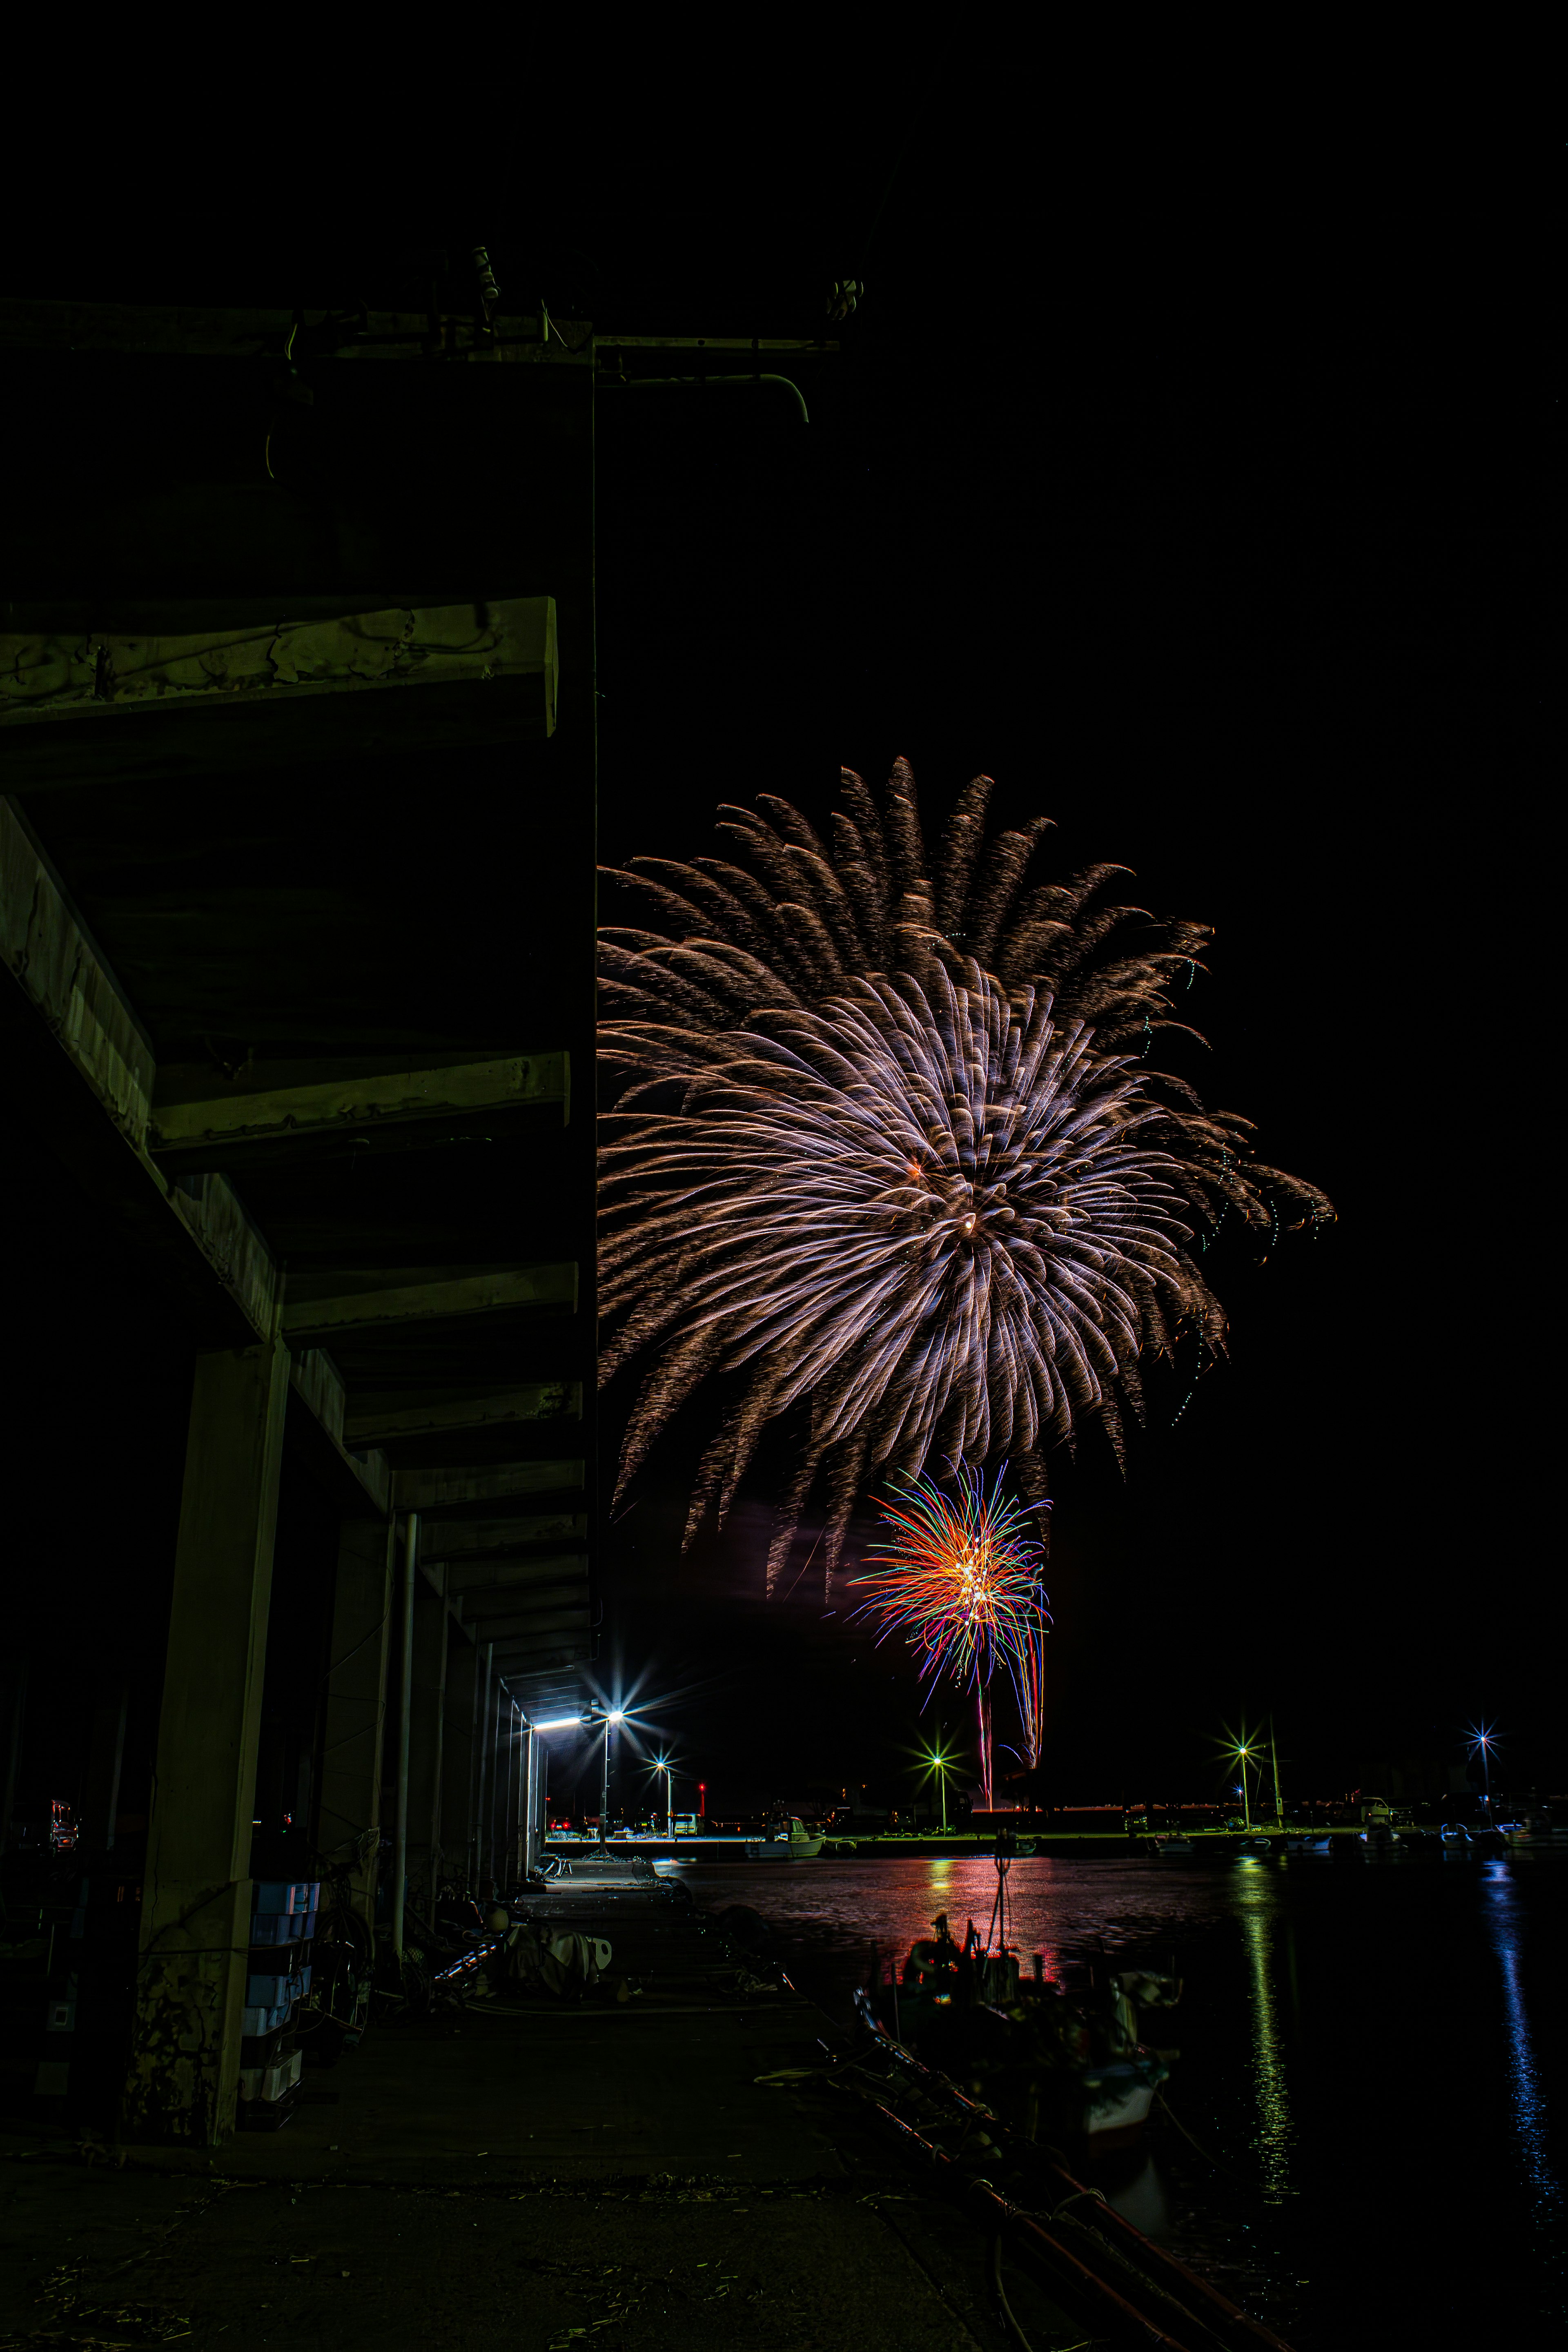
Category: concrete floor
<point>541,2177</point>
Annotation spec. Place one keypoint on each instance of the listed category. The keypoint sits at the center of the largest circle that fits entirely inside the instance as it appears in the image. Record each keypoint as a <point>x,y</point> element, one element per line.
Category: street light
<point>937,1762</point>
<point>1482,1741</point>
<point>1244,1753</point>
<point>590,1718</point>
<point>661,1764</point>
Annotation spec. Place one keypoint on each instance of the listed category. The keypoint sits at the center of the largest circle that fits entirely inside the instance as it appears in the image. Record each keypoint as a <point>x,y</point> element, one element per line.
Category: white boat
<point>791,1841</point>
<point>1309,1845</point>
<point>1172,1845</point>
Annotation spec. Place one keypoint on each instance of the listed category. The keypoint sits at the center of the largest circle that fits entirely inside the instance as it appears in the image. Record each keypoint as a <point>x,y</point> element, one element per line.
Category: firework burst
<point>888,1149</point>
<point>960,1577</point>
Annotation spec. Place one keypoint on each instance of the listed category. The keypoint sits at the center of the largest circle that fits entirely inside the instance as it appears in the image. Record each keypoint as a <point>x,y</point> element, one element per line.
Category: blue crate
<point>289,1894</point>
<point>265,2021</point>
<point>278,1927</point>
<point>267,1992</point>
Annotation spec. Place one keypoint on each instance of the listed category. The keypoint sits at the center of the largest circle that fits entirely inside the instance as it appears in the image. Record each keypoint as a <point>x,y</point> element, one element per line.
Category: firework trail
<point>888,1148</point>
<point>960,1578</point>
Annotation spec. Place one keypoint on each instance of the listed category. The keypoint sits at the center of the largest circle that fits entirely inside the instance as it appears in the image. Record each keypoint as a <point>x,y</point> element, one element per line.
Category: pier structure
<point>296,850</point>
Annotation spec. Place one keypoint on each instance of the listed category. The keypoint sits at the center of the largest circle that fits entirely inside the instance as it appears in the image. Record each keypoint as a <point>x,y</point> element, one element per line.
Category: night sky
<point>1187,469</point>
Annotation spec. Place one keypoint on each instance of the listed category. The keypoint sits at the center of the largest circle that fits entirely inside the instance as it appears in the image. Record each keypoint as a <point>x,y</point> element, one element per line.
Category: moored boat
<point>789,1840</point>
<point>1064,2067</point>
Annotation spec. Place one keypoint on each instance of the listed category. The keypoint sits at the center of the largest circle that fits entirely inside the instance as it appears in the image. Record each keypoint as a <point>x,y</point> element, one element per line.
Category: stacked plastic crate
<point>283,1924</point>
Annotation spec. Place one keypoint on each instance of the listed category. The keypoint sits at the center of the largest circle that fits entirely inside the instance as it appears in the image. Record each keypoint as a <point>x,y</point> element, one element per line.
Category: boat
<point>1533,1829</point>
<point>1258,1847</point>
<point>789,1840</point>
<point>1320,1845</point>
<point>1064,2067</point>
<point>1455,1834</point>
<point>1125,2287</point>
<point>1170,1846</point>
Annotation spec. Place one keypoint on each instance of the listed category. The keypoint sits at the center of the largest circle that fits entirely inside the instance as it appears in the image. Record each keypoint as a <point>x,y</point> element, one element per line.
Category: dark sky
<point>1188,472</point>
<point>1188,468</point>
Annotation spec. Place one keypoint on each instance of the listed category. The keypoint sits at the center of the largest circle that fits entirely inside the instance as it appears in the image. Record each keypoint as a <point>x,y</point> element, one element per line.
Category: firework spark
<point>960,1577</point>
<point>890,1148</point>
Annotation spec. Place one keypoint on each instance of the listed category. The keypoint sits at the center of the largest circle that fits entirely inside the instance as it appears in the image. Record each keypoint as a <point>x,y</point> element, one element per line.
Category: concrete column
<point>533,1801</point>
<point>426,1740</point>
<point>492,1831</point>
<point>349,1821</point>
<point>506,1792</point>
<point>196,1910</point>
<point>520,1774</point>
<point>464,1673</point>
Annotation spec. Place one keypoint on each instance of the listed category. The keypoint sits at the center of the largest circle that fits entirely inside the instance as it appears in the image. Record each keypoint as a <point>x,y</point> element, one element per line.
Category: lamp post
<point>609,1717</point>
<point>661,1764</point>
<point>1242,1751</point>
<point>938,1764</point>
<point>1481,1744</point>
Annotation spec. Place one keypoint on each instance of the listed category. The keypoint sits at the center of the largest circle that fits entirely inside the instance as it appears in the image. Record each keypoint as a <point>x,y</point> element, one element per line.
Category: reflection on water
<point>1064,1910</point>
<point>1528,2100</point>
<point>1355,2042</point>
<point>1258,1902</point>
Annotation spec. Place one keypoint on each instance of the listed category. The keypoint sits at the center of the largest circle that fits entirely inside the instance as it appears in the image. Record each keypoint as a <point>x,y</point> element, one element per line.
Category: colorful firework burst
<point>959,1576</point>
<point>888,1149</point>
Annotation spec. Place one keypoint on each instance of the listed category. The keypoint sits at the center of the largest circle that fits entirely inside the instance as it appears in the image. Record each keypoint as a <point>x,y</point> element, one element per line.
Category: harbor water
<point>1363,2137</point>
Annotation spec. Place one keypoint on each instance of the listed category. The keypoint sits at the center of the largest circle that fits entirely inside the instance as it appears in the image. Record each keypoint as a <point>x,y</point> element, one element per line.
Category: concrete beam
<point>81,1067</point>
<point>79,706</point>
<point>458,1538</point>
<point>520,1660</point>
<point>362,1486</point>
<point>214,1130</point>
<point>511,1634</point>
<point>484,1482</point>
<point>471,1578</point>
<point>540,1400</point>
<point>78,1047</point>
<point>382,1301</point>
<point>487,1608</point>
<point>188,332</point>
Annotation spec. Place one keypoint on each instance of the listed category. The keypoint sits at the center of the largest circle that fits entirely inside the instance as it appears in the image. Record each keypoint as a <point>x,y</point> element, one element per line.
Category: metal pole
<point>404,1713</point>
<point>440,1755</point>
<point>482,1760</point>
<point>521,1842</point>
<point>604,1789</point>
<point>1274,1759</point>
<point>531,1794</point>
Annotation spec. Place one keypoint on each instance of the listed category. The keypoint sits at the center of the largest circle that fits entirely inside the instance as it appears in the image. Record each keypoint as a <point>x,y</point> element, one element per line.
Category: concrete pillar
<point>506,1793</point>
<point>195,1909</point>
<point>349,1819</point>
<point>426,1728</point>
<point>533,1801</point>
<point>464,1673</point>
<point>492,1823</point>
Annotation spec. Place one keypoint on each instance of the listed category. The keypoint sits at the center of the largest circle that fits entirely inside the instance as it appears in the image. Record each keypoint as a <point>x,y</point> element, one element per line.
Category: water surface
<point>1364,2141</point>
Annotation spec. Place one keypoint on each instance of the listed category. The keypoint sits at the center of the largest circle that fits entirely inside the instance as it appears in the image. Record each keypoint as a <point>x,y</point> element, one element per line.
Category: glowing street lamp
<point>661,1764</point>
<point>1483,1739</point>
<point>1244,1754</point>
<point>939,1763</point>
<point>610,1717</point>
